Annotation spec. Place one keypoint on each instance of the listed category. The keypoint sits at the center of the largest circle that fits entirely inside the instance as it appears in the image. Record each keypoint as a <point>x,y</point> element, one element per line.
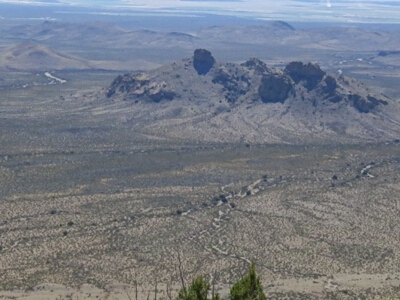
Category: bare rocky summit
<point>253,102</point>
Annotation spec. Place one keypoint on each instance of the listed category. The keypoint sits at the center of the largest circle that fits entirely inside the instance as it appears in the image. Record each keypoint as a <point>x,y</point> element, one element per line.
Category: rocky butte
<point>300,100</point>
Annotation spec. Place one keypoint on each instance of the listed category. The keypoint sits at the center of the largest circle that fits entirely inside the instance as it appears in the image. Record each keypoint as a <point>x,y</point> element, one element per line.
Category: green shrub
<point>198,290</point>
<point>248,288</point>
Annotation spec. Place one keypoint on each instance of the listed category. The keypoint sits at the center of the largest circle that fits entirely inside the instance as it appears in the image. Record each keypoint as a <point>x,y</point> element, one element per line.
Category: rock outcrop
<point>275,88</point>
<point>330,85</point>
<point>365,104</point>
<point>127,83</point>
<point>311,73</point>
<point>257,65</point>
<point>139,85</point>
<point>249,82</point>
<point>234,85</point>
<point>203,61</point>
<point>251,101</point>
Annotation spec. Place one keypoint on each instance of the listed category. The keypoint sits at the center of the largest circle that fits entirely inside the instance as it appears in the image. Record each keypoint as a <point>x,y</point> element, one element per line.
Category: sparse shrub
<point>249,287</point>
<point>53,212</point>
<point>179,212</point>
<point>334,177</point>
<point>70,223</point>
<point>198,290</point>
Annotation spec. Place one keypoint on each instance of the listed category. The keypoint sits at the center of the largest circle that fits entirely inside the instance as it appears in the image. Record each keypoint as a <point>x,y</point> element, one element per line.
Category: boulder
<point>275,88</point>
<point>203,61</point>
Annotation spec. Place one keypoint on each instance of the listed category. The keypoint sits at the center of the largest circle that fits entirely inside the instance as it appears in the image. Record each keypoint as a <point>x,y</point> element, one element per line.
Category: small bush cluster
<point>248,288</point>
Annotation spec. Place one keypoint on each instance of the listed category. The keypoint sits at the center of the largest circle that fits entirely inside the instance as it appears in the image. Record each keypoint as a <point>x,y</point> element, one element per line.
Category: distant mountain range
<point>333,38</point>
<point>276,41</point>
<point>28,56</point>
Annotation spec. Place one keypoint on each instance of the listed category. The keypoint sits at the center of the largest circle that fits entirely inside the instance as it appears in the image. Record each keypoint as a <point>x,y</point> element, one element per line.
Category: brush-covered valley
<point>127,155</point>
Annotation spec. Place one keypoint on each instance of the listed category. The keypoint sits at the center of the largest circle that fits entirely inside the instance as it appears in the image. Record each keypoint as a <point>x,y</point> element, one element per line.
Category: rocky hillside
<point>203,99</point>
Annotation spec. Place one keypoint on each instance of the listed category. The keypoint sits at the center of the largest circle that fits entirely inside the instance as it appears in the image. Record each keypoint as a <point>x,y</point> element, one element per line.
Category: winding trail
<point>55,78</point>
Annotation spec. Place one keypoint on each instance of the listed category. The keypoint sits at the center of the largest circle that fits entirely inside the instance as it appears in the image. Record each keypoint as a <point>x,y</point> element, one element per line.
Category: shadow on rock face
<point>310,73</point>
<point>365,104</point>
<point>203,61</point>
<point>275,88</point>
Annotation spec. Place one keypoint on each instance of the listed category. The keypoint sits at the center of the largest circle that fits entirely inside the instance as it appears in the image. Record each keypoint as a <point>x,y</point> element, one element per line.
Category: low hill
<point>34,57</point>
<point>31,56</point>
<point>202,99</point>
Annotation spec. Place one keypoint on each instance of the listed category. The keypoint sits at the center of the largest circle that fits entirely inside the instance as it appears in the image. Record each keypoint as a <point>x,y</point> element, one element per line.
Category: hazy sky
<point>291,10</point>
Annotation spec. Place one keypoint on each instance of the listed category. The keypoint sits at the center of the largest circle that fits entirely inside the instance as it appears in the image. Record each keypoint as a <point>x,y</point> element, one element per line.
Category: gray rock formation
<point>257,65</point>
<point>139,86</point>
<point>203,61</point>
<point>234,84</point>
<point>250,101</point>
<point>252,81</point>
<point>275,88</point>
<point>365,104</point>
<point>310,73</point>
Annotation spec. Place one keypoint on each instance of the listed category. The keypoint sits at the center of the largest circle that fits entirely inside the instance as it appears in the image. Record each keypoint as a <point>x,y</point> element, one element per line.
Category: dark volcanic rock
<point>311,73</point>
<point>275,88</point>
<point>139,86</point>
<point>161,94</point>
<point>386,53</point>
<point>203,61</point>
<point>257,65</point>
<point>234,86</point>
<point>248,82</point>
<point>365,104</point>
<point>126,83</point>
<point>330,85</point>
<point>329,88</point>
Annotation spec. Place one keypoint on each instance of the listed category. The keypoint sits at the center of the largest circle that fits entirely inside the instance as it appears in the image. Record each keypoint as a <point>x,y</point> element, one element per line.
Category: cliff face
<point>203,61</point>
<point>275,88</point>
